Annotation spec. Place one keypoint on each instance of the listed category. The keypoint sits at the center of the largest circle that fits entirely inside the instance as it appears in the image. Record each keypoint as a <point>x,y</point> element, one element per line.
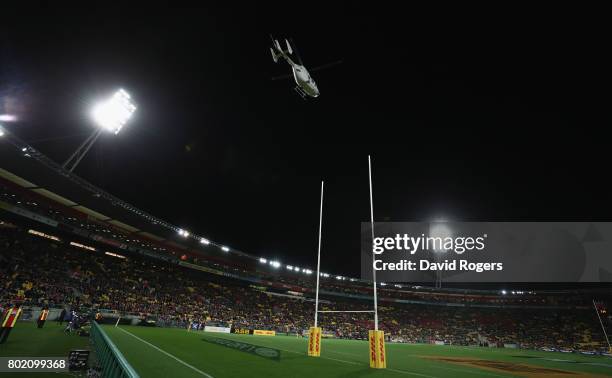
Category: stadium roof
<point>32,170</point>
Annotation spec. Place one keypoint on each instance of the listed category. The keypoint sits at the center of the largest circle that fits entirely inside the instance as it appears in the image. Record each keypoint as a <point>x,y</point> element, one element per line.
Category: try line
<point>167,354</point>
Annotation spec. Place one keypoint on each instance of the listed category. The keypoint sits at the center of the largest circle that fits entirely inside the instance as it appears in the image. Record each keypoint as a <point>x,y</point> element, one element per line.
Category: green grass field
<point>26,340</point>
<point>159,352</point>
<point>169,353</point>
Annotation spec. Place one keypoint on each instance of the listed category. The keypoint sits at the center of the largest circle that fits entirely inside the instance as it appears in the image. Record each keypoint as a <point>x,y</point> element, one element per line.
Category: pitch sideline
<point>167,354</point>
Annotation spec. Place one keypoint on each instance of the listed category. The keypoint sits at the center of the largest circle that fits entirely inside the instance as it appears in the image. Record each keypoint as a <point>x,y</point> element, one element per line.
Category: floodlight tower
<point>110,115</point>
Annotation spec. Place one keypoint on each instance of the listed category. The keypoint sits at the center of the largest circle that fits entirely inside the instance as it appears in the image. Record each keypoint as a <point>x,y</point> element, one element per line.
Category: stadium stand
<point>173,295</point>
<point>124,261</point>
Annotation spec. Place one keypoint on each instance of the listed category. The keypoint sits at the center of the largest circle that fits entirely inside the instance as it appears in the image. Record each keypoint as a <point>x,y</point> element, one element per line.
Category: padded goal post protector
<point>378,357</point>
<point>314,342</point>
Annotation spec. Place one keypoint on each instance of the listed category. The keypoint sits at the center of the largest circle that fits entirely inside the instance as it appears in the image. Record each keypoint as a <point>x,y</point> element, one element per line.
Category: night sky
<point>470,114</point>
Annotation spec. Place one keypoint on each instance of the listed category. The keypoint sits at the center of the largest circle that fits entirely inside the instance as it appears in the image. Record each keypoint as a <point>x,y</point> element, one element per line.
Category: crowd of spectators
<point>333,283</point>
<point>36,272</point>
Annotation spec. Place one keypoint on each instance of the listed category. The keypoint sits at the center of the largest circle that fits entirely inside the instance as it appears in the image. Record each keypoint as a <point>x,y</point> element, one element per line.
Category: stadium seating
<point>64,275</point>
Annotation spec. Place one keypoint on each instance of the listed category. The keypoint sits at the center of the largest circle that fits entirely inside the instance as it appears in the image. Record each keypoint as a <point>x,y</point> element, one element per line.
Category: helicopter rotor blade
<point>325,66</point>
<point>282,77</point>
<point>296,51</point>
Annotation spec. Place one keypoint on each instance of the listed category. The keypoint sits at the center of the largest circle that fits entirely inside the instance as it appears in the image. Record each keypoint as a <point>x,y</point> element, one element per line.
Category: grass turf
<point>160,352</point>
<point>26,340</point>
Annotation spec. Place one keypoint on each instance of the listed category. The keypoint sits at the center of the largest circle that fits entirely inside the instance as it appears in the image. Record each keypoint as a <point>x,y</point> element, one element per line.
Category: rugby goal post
<point>376,337</point>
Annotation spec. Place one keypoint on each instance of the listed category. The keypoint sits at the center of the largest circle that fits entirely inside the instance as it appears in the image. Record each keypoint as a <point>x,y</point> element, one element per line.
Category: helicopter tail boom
<point>277,51</point>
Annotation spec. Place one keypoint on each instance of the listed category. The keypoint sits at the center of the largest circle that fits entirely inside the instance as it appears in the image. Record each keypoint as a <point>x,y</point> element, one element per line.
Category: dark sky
<point>470,114</point>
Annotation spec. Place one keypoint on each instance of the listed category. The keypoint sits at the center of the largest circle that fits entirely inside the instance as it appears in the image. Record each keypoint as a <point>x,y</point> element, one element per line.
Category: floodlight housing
<point>262,260</point>
<point>204,241</point>
<point>114,113</point>
<point>225,249</point>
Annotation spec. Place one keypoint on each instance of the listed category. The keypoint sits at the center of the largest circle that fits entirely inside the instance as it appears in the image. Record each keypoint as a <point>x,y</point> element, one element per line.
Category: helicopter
<point>305,84</point>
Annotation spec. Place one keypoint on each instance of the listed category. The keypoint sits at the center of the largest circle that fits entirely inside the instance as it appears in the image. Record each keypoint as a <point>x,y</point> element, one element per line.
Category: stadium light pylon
<point>378,356</point>
<point>110,115</point>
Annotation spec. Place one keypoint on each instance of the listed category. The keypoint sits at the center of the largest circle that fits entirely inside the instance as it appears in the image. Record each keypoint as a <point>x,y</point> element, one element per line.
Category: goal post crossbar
<point>370,311</point>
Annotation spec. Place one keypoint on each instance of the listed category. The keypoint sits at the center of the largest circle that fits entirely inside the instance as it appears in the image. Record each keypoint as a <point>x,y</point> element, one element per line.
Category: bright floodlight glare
<point>225,249</point>
<point>262,260</point>
<point>503,292</point>
<point>442,231</point>
<point>204,241</point>
<point>275,264</point>
<point>1,132</point>
<point>8,118</point>
<point>114,113</point>
<point>289,267</point>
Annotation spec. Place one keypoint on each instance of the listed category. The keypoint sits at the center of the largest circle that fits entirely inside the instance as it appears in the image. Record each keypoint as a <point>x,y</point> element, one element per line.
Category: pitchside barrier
<point>111,360</point>
<point>240,331</point>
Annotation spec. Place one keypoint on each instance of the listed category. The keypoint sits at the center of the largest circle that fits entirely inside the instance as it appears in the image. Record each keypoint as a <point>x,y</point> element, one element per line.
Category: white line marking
<point>357,363</point>
<point>411,373</point>
<point>432,366</point>
<point>473,372</point>
<point>167,354</point>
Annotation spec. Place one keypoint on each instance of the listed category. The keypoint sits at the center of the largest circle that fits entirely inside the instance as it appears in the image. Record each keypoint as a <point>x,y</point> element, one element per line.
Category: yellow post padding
<point>314,342</point>
<point>378,356</point>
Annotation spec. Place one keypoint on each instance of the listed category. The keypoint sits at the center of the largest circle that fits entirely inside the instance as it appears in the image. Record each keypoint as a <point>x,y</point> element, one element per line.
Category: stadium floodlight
<point>383,284</point>
<point>289,267</point>
<point>262,260</point>
<point>110,115</point>
<point>8,118</point>
<point>275,264</point>
<point>225,249</point>
<point>113,114</point>
<point>204,241</point>
<point>296,268</point>
<point>503,292</point>
<point>1,132</point>
<point>183,233</point>
<point>441,231</point>
<point>338,277</point>
<point>308,271</point>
